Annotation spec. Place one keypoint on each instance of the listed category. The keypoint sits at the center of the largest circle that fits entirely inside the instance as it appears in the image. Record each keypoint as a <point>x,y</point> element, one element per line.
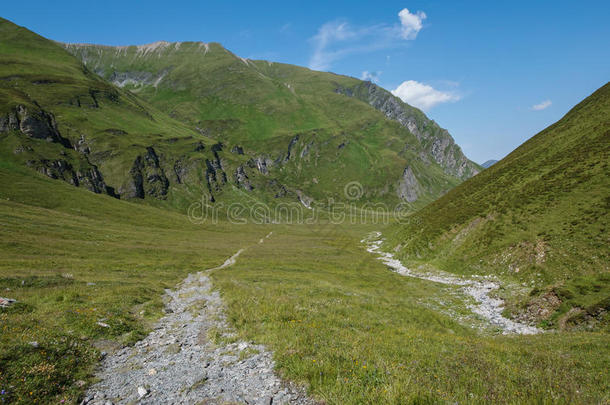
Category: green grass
<point>355,332</point>
<point>261,106</point>
<point>539,217</point>
<point>72,259</point>
<point>337,319</point>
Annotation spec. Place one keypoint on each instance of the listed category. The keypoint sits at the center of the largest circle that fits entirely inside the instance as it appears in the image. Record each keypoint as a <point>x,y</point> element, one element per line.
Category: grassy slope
<point>261,106</point>
<point>55,239</point>
<point>115,124</point>
<point>539,216</point>
<point>338,320</point>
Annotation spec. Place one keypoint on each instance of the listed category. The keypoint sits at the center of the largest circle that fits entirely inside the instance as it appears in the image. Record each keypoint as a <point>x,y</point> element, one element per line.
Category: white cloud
<point>544,105</point>
<point>410,24</point>
<point>422,96</point>
<point>328,34</point>
<point>370,76</point>
<point>338,39</point>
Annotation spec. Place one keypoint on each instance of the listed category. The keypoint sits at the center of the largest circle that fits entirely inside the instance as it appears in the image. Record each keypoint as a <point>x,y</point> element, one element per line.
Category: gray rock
<point>408,186</point>
<point>436,141</point>
<point>202,370</point>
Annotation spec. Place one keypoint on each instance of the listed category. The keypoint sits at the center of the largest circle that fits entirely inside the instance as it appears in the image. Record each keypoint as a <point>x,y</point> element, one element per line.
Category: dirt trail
<point>192,356</point>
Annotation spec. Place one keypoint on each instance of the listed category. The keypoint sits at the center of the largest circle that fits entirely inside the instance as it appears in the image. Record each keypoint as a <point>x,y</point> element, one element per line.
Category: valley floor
<point>89,275</point>
<point>192,356</point>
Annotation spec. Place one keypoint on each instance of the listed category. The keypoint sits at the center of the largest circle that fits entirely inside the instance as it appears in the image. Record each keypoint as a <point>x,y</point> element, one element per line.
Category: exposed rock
<point>241,178</point>
<point>215,175</point>
<point>61,169</point>
<point>199,147</point>
<point>280,189</point>
<point>305,200</point>
<point>82,146</point>
<point>408,186</point>
<point>179,171</point>
<point>261,163</point>
<point>237,150</point>
<point>34,124</point>
<point>435,140</point>
<point>115,131</point>
<point>293,142</point>
<point>306,149</point>
<point>200,368</point>
<point>21,149</point>
<point>540,308</point>
<point>147,177</point>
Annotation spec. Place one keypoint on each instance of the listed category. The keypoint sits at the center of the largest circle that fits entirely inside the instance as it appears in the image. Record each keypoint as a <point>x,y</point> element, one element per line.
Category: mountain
<point>169,122</point>
<point>489,163</point>
<point>311,132</point>
<point>539,217</point>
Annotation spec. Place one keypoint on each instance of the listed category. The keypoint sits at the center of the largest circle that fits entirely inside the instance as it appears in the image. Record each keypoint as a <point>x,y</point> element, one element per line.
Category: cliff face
<point>435,140</point>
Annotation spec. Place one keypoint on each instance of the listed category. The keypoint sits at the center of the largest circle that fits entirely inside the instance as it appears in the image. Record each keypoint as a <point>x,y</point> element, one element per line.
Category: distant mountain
<point>305,132</point>
<point>166,122</point>
<point>488,163</point>
<point>539,217</point>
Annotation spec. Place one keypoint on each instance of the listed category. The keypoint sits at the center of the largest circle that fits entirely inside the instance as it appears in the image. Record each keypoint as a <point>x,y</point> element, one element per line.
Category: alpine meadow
<point>183,225</point>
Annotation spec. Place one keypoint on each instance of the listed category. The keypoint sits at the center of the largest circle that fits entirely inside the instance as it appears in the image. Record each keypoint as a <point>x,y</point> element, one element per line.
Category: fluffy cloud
<point>422,96</point>
<point>370,76</point>
<point>410,24</point>
<point>545,104</point>
<point>338,39</point>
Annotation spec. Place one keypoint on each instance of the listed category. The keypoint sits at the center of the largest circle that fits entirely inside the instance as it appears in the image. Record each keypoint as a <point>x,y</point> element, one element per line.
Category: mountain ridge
<point>166,133</point>
<point>445,152</point>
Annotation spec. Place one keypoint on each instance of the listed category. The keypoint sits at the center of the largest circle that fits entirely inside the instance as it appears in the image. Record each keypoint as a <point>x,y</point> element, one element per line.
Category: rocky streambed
<point>481,289</point>
<point>192,356</point>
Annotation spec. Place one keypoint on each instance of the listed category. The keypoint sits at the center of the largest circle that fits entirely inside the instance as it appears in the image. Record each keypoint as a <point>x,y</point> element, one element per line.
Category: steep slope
<point>435,140</point>
<point>540,216</point>
<point>295,124</point>
<point>67,123</point>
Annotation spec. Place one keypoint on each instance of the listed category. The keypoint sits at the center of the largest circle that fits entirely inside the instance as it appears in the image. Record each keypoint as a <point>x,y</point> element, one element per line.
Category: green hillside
<point>302,126</point>
<point>144,131</point>
<point>539,217</point>
<point>338,321</point>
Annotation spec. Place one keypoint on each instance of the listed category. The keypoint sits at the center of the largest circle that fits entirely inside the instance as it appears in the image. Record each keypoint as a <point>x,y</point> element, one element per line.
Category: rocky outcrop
<point>179,171</point>
<point>261,163</point>
<point>436,141</point>
<point>304,199</point>
<point>215,175</point>
<point>89,178</point>
<point>408,186</point>
<point>34,123</point>
<point>293,142</point>
<point>147,177</point>
<point>241,178</point>
<point>238,150</point>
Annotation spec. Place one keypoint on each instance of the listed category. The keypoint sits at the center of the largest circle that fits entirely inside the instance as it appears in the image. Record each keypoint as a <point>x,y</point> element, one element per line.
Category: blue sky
<point>493,73</point>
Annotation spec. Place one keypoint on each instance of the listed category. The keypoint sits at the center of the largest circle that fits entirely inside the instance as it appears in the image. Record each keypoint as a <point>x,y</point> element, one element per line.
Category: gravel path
<point>178,363</point>
<point>487,307</point>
